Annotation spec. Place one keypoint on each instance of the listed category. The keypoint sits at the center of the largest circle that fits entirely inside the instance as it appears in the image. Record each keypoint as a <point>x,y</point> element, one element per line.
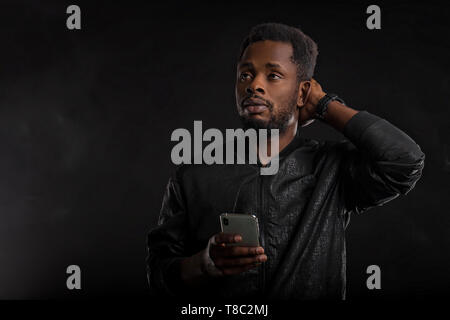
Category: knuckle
<point>250,266</point>
<point>213,252</point>
<point>220,236</point>
<point>225,238</point>
<point>234,251</point>
<point>227,272</point>
<point>234,262</point>
<point>218,262</point>
<point>240,262</point>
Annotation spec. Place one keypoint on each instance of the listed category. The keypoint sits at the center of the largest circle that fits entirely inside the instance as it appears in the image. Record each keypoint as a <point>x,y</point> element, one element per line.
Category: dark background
<point>86,118</point>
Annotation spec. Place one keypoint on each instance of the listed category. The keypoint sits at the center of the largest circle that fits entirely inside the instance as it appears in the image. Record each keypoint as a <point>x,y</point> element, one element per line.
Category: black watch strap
<point>322,105</point>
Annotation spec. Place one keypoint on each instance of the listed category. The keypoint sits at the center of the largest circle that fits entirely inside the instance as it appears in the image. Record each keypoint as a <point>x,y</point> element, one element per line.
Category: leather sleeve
<point>385,163</point>
<point>166,242</point>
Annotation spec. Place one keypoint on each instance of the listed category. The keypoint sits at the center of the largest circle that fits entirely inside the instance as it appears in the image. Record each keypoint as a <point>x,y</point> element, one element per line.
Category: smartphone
<point>244,224</point>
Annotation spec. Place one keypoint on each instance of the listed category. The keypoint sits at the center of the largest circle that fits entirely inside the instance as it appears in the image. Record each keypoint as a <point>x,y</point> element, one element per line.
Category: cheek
<point>239,91</point>
<point>286,98</point>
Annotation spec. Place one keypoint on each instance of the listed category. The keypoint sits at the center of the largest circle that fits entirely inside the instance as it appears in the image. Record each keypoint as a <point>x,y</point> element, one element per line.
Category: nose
<point>255,86</point>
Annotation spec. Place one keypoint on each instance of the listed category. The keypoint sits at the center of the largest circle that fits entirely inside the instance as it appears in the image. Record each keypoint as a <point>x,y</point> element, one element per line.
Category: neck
<point>284,139</point>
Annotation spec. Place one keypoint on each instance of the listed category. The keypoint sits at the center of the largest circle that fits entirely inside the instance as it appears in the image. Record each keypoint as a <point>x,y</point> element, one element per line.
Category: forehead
<point>262,52</point>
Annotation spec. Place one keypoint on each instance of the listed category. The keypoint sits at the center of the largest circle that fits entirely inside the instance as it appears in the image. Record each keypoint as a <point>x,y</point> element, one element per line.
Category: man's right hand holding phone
<point>220,258</point>
<point>234,259</point>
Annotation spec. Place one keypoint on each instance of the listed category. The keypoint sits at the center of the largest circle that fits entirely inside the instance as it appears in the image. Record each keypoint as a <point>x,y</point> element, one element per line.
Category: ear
<point>304,89</point>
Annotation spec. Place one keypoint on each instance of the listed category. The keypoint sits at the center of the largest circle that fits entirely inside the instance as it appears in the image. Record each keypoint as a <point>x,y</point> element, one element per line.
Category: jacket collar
<point>295,143</point>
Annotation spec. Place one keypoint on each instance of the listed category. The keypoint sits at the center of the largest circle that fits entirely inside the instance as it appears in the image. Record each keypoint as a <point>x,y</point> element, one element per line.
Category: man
<point>303,209</point>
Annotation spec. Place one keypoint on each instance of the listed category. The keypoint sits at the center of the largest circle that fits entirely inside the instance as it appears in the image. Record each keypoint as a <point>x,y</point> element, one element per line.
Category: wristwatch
<point>322,105</point>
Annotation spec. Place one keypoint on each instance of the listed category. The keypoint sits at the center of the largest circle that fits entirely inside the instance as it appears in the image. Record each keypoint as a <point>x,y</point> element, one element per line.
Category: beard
<point>278,120</point>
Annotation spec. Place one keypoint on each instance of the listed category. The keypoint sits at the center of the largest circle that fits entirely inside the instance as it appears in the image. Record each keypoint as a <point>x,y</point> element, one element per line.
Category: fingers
<point>224,263</point>
<point>316,84</point>
<point>224,238</point>
<point>236,251</point>
<point>234,259</point>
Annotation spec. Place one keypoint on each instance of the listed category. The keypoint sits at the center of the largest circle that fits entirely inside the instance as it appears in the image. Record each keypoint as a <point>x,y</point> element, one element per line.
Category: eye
<point>274,76</point>
<point>244,76</point>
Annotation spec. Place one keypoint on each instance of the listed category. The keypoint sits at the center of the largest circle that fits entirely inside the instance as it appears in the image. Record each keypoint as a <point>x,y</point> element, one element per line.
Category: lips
<point>256,109</point>
<point>255,106</point>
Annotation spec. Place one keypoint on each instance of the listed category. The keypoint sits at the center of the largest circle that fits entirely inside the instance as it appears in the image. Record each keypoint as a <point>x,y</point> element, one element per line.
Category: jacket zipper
<point>262,224</point>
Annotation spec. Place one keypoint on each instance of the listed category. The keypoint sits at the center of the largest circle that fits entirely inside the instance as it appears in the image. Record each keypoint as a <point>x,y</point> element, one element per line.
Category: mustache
<point>268,103</point>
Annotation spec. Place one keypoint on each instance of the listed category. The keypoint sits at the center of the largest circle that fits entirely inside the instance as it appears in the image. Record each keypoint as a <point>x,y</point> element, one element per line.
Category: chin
<point>254,122</point>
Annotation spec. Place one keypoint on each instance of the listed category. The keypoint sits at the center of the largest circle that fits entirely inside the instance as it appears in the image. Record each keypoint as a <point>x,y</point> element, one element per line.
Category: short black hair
<point>304,48</point>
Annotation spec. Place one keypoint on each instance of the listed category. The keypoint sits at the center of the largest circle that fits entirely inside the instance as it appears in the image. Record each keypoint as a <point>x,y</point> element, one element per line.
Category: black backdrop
<point>86,118</point>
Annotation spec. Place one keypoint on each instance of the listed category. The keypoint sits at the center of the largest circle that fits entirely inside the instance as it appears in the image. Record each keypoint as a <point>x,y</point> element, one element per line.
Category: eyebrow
<point>273,65</point>
<point>268,65</point>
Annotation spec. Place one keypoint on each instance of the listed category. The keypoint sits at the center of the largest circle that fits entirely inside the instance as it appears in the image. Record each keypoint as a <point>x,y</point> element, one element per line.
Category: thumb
<point>208,265</point>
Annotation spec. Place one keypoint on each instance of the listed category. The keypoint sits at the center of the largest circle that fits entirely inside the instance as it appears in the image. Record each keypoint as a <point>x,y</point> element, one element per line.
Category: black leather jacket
<point>303,211</point>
